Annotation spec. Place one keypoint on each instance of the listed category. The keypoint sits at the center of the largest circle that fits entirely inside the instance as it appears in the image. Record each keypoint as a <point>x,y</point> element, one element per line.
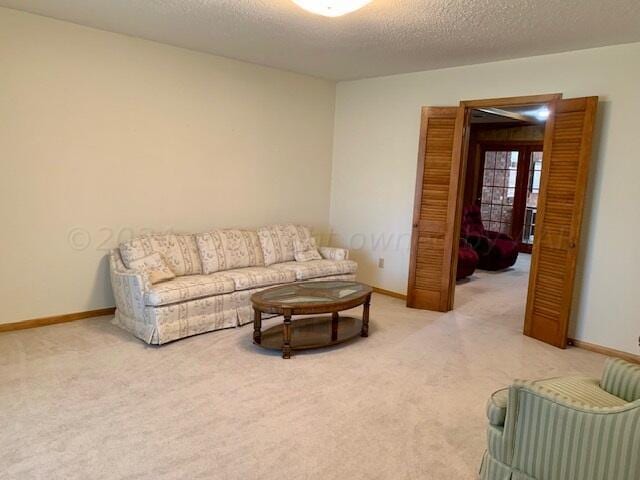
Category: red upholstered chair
<point>467,260</point>
<point>496,250</point>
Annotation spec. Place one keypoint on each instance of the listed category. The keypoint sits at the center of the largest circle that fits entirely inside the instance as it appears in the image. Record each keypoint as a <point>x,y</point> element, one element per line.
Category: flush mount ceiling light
<point>331,8</point>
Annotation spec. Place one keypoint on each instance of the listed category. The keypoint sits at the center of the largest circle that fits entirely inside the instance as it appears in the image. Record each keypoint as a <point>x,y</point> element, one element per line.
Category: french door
<point>509,189</point>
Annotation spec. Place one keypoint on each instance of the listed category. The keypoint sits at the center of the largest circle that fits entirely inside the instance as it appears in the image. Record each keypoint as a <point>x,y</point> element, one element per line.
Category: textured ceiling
<point>385,37</point>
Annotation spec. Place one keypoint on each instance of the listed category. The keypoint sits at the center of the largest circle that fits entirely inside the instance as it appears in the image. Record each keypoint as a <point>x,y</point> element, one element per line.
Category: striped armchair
<point>568,428</point>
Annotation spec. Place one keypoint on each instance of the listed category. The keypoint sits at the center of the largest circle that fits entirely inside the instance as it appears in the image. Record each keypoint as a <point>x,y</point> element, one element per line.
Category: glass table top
<point>313,292</point>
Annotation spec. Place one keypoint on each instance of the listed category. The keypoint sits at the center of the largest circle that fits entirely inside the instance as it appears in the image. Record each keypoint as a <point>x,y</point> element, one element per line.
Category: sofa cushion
<point>154,267</point>
<point>228,249</point>
<point>305,250</point>
<point>188,288</point>
<point>253,277</point>
<point>179,251</point>
<point>277,241</point>
<point>318,268</point>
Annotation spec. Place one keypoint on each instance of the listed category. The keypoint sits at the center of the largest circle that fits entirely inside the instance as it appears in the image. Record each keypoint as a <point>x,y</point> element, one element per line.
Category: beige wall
<point>374,167</point>
<point>103,136</point>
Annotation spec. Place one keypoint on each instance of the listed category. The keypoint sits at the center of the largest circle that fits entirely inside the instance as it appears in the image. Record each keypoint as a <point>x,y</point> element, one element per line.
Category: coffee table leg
<point>257,326</point>
<point>365,318</point>
<point>334,326</point>
<point>286,346</point>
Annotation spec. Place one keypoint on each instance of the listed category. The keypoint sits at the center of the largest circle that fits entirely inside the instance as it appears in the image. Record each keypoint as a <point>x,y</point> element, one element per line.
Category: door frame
<point>511,101</point>
<point>460,149</point>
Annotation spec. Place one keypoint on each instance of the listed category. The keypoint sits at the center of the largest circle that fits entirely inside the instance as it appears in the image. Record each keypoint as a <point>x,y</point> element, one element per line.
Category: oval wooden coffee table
<point>311,298</point>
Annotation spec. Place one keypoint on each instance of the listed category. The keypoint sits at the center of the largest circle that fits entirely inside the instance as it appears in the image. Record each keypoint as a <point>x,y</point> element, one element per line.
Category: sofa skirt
<point>492,469</point>
<point>167,323</point>
<point>170,322</point>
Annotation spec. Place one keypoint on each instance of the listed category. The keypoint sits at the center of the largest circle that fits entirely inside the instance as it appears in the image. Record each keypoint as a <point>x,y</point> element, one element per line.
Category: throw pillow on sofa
<point>154,267</point>
<point>306,250</point>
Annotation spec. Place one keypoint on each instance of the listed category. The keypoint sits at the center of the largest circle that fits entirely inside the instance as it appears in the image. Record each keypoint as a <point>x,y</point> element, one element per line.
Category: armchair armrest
<point>574,415</point>
<point>497,407</point>
<point>334,253</point>
<point>622,379</point>
<point>534,414</point>
<point>538,417</point>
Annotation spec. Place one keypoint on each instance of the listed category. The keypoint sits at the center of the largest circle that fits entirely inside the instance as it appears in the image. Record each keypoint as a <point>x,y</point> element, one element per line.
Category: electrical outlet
<point>381,262</point>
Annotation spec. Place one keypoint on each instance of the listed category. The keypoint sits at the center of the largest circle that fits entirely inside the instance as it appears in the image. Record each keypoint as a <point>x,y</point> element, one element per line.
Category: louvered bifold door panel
<point>567,152</point>
<point>433,219</point>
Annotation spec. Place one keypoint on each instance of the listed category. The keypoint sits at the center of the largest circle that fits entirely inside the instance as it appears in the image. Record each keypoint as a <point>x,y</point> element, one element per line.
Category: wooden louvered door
<point>567,151</point>
<point>435,222</point>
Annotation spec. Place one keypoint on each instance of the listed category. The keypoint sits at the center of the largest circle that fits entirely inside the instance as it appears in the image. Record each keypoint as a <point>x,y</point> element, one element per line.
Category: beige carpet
<point>87,401</point>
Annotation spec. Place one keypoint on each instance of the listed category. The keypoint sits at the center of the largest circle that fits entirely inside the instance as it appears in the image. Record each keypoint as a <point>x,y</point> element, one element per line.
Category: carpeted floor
<point>85,400</point>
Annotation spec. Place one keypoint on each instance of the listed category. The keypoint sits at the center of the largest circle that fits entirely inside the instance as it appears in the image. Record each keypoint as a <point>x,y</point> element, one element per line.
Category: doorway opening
<point>502,174</point>
<point>504,169</point>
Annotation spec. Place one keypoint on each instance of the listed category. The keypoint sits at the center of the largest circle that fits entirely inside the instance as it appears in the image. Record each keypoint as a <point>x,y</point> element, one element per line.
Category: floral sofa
<point>215,275</point>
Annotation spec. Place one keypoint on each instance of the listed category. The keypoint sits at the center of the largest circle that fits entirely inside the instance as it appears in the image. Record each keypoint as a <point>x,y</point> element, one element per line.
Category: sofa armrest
<point>129,288</point>
<point>334,253</point>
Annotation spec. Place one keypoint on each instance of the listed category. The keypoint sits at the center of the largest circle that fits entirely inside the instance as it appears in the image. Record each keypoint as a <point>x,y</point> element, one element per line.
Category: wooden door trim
<point>517,144</point>
<point>512,101</point>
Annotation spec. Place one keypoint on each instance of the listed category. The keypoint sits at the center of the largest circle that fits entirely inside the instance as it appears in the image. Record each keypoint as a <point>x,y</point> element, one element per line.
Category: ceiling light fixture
<point>331,8</point>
